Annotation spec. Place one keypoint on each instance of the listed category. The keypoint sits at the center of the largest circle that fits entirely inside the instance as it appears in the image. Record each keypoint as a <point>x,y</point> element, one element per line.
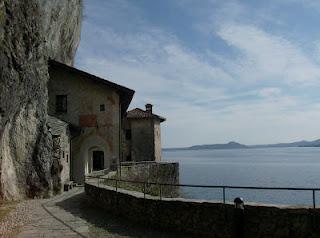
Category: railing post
<point>224,195</point>
<point>314,199</point>
<point>160,191</point>
<point>238,218</point>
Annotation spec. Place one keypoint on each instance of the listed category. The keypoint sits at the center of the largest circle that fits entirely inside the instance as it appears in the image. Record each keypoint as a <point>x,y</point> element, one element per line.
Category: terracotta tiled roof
<point>138,113</point>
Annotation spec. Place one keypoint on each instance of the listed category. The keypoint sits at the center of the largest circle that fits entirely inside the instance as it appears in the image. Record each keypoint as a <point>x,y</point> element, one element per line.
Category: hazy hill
<point>235,145</point>
<point>302,143</point>
<point>230,145</point>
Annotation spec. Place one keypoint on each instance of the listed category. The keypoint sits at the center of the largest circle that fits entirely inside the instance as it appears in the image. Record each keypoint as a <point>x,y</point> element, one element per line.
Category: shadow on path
<point>103,224</point>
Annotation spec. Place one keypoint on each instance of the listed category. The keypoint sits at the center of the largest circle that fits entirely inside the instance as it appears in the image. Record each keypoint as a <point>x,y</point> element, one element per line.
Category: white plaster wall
<point>157,140</point>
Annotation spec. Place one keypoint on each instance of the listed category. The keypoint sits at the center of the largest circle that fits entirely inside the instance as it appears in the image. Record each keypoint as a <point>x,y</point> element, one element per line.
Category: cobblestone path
<point>69,215</point>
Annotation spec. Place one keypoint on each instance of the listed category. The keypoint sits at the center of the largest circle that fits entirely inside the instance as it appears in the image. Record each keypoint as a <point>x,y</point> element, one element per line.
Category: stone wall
<point>204,218</point>
<point>165,173</point>
<point>61,153</point>
<point>60,134</point>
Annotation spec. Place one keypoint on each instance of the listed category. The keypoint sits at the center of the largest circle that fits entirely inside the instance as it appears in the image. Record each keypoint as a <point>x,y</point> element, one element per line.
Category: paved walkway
<point>69,215</point>
<point>50,220</point>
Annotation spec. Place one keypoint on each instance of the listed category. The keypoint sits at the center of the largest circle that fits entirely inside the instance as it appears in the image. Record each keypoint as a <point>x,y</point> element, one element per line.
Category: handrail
<point>133,163</point>
<point>139,162</point>
<point>223,187</point>
<point>211,186</point>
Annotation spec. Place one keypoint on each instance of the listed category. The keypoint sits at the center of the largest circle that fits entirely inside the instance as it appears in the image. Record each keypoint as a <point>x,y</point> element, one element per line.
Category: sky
<point>217,70</point>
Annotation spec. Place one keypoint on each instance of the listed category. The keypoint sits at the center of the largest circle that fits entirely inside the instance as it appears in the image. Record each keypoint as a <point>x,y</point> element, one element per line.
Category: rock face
<point>31,32</point>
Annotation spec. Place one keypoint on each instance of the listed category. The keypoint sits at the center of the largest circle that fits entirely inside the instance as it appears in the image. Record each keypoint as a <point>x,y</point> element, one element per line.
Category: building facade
<point>90,125</point>
<point>143,135</point>
<point>95,109</point>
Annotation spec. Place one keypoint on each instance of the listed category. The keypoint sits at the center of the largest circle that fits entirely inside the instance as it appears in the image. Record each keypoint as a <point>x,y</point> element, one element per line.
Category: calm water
<point>272,167</point>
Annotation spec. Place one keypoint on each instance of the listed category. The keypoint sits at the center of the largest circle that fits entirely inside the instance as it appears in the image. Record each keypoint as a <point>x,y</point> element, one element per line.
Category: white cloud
<point>264,56</point>
<point>310,4</point>
<point>270,92</point>
<point>154,63</point>
<point>241,97</point>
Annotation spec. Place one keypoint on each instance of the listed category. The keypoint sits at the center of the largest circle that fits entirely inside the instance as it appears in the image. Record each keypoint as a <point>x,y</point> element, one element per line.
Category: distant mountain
<point>230,145</point>
<point>235,145</point>
<point>302,143</point>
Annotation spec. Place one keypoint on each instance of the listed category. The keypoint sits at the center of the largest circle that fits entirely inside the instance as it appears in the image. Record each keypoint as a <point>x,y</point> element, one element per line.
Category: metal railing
<point>132,163</point>
<point>125,163</point>
<point>145,184</point>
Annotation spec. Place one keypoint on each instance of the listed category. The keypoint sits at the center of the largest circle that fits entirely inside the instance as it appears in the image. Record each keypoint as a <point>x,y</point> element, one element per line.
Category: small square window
<point>61,103</point>
<point>102,107</point>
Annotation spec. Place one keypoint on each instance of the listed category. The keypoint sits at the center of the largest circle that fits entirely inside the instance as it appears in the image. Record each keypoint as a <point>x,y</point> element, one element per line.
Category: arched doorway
<point>89,159</point>
<point>97,160</point>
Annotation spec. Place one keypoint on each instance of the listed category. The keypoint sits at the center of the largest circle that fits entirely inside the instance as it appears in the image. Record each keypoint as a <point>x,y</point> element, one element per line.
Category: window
<point>61,103</point>
<point>1,112</point>
<point>129,158</point>
<point>128,134</point>
<point>102,108</point>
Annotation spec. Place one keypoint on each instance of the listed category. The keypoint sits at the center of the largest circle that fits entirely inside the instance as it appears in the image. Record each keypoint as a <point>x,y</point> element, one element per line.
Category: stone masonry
<point>204,218</point>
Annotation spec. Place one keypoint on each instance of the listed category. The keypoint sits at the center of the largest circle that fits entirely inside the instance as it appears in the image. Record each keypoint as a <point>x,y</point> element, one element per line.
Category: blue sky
<point>218,70</point>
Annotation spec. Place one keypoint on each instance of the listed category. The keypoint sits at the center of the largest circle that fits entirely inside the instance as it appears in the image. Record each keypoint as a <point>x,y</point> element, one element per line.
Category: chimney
<point>149,108</point>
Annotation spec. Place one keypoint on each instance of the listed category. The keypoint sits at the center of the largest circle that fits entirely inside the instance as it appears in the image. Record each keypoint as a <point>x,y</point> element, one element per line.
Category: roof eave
<point>126,94</point>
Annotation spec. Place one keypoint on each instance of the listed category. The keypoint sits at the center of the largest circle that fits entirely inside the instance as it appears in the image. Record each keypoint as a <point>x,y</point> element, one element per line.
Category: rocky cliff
<point>31,32</point>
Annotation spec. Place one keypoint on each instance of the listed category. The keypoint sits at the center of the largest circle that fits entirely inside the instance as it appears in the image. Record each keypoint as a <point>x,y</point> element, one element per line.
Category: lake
<point>268,167</point>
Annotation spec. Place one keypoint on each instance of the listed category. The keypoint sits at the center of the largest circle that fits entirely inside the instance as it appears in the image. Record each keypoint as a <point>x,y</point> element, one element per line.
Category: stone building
<point>90,125</point>
<point>94,109</point>
<point>143,136</point>
<point>60,132</point>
